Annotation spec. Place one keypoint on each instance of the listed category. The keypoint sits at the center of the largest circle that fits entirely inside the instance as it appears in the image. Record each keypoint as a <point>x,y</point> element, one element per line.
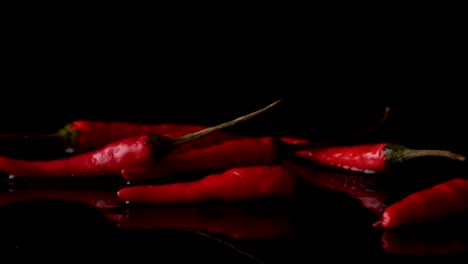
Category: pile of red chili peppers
<point>154,158</point>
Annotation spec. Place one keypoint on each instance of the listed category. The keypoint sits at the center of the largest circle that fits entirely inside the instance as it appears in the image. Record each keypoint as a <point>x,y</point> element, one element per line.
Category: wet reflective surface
<point>331,216</point>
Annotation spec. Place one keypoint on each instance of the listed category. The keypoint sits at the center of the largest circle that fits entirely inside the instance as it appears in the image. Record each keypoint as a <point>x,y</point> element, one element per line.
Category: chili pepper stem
<point>440,153</point>
<point>407,154</point>
<point>192,136</point>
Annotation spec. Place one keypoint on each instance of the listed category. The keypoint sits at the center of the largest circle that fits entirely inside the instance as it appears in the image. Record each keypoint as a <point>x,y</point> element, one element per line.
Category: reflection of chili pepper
<point>112,158</point>
<point>369,158</point>
<point>237,184</point>
<point>239,222</point>
<point>425,241</point>
<point>443,200</point>
<point>234,153</point>
<point>367,188</point>
<point>98,199</point>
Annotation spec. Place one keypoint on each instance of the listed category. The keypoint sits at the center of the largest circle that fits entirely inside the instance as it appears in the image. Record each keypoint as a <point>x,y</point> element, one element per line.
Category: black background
<point>334,78</point>
<point>333,75</point>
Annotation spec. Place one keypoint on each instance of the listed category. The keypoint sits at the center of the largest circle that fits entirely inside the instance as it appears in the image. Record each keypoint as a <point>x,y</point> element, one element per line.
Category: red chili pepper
<point>226,155</point>
<point>88,135</point>
<point>369,158</point>
<point>92,135</point>
<point>237,184</point>
<point>441,201</point>
<point>238,222</point>
<point>366,188</point>
<point>111,159</point>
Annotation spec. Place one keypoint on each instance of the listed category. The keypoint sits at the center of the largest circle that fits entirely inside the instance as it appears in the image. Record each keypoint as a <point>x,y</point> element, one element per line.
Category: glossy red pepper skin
<point>368,189</point>
<point>369,158</point>
<point>113,158</point>
<point>85,135</point>
<point>133,157</point>
<point>107,161</point>
<point>234,185</point>
<point>248,151</point>
<point>446,199</point>
<point>81,140</point>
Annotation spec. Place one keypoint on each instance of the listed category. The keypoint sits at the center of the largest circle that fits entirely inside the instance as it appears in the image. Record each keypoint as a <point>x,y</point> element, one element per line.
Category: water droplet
<point>11,176</point>
<point>127,202</point>
<point>128,183</point>
<point>70,150</point>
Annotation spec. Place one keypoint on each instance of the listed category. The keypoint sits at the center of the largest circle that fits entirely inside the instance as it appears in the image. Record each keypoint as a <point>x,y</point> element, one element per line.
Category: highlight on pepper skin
<point>232,153</point>
<point>249,183</point>
<point>441,201</point>
<point>110,160</point>
<point>370,158</point>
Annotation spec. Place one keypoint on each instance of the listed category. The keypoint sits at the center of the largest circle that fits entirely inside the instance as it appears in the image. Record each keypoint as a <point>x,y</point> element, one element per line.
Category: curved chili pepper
<point>369,158</point>
<point>87,135</point>
<point>233,185</point>
<point>446,199</point>
<point>111,159</point>
<point>226,155</point>
<point>368,189</point>
<point>238,222</point>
